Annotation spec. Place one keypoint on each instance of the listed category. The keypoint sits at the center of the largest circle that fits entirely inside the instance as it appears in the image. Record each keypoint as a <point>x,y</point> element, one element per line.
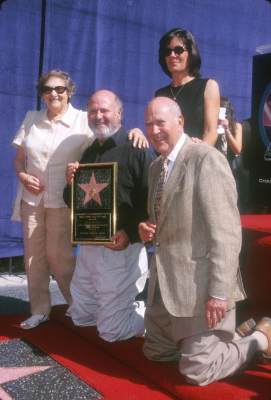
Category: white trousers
<point>103,288</point>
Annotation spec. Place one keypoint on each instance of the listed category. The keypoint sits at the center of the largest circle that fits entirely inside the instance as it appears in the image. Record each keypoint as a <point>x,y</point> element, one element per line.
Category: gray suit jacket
<point>198,238</point>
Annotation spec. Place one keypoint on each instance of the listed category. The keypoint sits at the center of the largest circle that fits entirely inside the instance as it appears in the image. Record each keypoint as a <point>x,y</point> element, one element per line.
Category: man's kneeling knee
<point>195,373</point>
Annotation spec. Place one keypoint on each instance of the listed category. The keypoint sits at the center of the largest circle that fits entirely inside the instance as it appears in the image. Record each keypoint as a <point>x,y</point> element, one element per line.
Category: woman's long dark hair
<point>194,60</point>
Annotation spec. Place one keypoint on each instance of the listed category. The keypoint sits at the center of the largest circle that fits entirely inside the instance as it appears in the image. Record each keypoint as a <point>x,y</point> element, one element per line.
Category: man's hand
<point>138,138</point>
<point>120,241</point>
<point>215,311</point>
<point>146,231</point>
<point>70,171</point>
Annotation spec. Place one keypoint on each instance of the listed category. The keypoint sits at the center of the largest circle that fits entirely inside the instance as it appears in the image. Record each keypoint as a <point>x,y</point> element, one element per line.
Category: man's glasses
<point>178,50</point>
<point>49,89</point>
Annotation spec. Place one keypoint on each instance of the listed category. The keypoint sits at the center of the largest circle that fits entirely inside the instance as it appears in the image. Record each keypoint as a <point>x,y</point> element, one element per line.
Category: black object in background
<point>260,164</point>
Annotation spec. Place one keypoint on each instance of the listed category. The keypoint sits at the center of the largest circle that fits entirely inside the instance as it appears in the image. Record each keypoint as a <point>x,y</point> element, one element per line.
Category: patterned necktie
<point>160,188</point>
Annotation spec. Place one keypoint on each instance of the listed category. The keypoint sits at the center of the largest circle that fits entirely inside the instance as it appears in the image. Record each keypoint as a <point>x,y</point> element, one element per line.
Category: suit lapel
<point>174,180</point>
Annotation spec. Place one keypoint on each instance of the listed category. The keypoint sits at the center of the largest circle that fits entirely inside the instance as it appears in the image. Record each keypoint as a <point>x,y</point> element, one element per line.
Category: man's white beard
<point>103,133</point>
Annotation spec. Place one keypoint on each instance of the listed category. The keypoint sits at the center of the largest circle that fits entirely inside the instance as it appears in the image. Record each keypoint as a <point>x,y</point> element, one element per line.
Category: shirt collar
<point>120,137</point>
<point>177,148</point>
<point>66,119</point>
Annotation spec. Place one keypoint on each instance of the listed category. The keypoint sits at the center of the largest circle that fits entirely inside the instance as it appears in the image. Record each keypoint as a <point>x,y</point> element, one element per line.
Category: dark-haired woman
<point>198,98</point>
<point>230,142</point>
<point>229,131</point>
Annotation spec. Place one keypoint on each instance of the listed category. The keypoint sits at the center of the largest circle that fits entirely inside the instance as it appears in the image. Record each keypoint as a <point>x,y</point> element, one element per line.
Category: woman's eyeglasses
<point>178,50</point>
<point>49,89</point>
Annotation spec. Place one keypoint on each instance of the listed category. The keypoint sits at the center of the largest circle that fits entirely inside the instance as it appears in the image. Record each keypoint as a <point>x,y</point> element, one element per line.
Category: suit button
<point>157,244</point>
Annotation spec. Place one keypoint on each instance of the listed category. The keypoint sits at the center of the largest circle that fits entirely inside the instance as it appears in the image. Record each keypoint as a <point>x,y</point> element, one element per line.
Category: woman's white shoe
<point>34,321</point>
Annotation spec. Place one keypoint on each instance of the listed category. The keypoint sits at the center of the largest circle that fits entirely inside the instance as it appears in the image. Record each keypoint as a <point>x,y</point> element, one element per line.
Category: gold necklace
<point>174,96</point>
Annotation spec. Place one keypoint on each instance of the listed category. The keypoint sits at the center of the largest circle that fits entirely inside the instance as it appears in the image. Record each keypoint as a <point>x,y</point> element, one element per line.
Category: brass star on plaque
<point>92,190</point>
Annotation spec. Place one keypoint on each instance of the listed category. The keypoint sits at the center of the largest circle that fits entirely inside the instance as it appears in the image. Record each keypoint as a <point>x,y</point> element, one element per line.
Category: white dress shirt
<point>174,153</point>
<point>49,146</point>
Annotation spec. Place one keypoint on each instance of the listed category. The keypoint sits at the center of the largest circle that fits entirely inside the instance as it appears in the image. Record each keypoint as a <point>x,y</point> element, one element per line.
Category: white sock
<point>261,340</point>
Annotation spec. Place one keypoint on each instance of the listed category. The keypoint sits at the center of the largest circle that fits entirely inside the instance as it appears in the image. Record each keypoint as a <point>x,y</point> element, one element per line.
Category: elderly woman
<point>46,142</point>
<point>198,98</point>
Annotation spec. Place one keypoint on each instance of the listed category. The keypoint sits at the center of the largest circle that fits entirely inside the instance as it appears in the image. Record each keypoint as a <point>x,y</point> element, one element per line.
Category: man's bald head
<point>164,124</point>
<point>165,102</point>
<point>104,113</point>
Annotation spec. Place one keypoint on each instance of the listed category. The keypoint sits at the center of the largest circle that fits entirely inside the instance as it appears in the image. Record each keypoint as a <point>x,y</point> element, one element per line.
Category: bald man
<point>194,277</point>
<point>108,278</point>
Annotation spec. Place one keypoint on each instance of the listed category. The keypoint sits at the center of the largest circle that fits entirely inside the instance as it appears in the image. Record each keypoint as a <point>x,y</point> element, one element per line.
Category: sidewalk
<point>14,296</point>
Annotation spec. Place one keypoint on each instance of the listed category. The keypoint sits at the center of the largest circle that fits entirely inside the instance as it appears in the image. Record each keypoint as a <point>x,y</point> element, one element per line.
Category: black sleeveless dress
<point>191,100</point>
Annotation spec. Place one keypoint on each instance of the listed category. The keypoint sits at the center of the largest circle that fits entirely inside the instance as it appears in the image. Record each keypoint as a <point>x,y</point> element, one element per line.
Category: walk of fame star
<point>92,190</point>
<point>14,373</point>
<point>27,373</point>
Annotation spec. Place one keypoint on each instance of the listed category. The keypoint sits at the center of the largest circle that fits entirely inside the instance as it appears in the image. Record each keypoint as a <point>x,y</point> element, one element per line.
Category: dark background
<point>260,176</point>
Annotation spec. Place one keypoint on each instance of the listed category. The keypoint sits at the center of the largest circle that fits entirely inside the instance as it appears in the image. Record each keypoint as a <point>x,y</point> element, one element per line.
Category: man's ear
<point>119,113</point>
<point>181,120</point>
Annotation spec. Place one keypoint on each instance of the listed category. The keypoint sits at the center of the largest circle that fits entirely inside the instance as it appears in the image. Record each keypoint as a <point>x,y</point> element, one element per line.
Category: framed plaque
<point>93,203</point>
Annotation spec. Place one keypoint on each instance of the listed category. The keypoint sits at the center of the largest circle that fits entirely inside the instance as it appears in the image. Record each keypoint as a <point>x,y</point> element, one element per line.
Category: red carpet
<point>256,268</point>
<point>257,222</point>
<point>119,371</point>
<point>254,383</point>
<point>108,376</point>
